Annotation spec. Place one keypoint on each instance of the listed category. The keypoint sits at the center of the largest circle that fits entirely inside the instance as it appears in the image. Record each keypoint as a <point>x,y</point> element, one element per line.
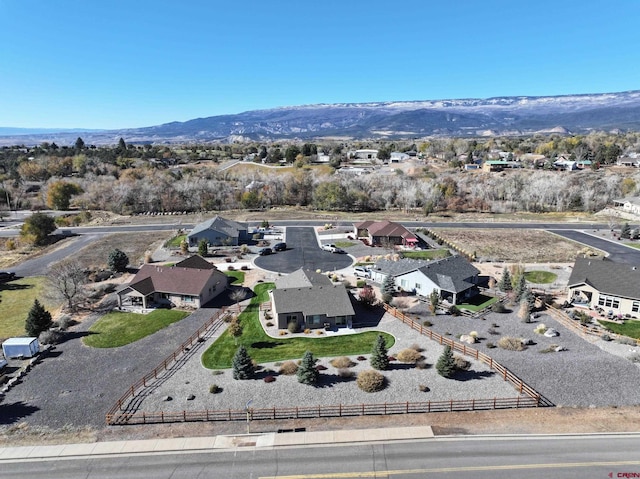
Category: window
<point>292,318</point>
<point>609,301</point>
<point>417,285</point>
<point>186,299</point>
<point>635,307</point>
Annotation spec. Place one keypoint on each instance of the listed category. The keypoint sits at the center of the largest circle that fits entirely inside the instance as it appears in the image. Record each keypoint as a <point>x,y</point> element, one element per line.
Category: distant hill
<point>406,119</point>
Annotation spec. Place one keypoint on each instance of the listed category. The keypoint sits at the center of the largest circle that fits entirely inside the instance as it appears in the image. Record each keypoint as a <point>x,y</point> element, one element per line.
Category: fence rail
<point>339,410</point>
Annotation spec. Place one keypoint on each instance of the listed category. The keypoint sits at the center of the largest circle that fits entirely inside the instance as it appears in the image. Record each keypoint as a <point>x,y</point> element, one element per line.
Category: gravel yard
<point>193,379</point>
<point>583,375</point>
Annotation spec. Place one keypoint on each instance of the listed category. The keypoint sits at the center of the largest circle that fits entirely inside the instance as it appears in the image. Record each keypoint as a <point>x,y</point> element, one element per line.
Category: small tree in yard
<point>238,295</point>
<point>307,372</point>
<point>380,354</point>
<point>446,365</point>
<point>521,287</point>
<point>38,320</point>
<point>625,232</point>
<point>524,313</point>
<point>184,246</point>
<point>367,296</point>
<point>434,299</point>
<point>235,329</point>
<point>203,247</point>
<point>388,288</point>
<point>66,281</point>
<point>37,227</point>
<point>505,282</point>
<point>242,364</point>
<point>118,261</point>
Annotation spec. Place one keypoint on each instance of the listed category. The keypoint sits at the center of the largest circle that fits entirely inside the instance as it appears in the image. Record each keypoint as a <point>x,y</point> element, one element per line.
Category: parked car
<point>265,251</point>
<point>331,248</point>
<point>7,276</point>
<point>362,272</point>
<point>280,247</point>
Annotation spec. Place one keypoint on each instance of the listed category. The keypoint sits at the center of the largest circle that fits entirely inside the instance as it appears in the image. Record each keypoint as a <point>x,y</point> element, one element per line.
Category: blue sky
<point>133,63</point>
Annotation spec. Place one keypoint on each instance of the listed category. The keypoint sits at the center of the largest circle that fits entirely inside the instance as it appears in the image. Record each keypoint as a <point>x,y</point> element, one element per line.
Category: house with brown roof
<point>311,300</point>
<point>379,233</point>
<point>599,283</point>
<point>190,283</point>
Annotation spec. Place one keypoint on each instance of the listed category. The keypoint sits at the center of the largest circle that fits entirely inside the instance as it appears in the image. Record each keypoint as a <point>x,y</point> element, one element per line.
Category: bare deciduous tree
<point>66,281</point>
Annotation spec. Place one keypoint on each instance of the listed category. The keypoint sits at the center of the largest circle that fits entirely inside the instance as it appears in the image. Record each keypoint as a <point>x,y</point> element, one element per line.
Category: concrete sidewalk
<point>215,442</point>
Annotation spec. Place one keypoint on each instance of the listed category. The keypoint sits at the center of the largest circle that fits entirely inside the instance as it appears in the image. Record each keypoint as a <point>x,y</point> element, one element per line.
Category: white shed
<point>16,347</point>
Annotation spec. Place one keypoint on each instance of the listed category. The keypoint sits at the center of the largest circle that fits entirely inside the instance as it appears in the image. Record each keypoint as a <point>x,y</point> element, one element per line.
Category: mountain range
<point>500,116</point>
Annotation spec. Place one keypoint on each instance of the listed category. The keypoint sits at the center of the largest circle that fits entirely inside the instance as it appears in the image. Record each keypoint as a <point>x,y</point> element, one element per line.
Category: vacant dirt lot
<point>512,245</point>
<point>135,245</point>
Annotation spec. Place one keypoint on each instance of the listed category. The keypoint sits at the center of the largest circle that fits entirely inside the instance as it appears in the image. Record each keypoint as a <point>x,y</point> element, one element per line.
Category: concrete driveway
<point>303,251</point>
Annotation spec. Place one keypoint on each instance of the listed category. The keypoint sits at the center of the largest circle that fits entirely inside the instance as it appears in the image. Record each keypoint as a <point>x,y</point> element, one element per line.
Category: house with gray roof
<point>310,300</point>
<point>190,283</point>
<point>602,283</point>
<point>454,278</point>
<point>219,231</point>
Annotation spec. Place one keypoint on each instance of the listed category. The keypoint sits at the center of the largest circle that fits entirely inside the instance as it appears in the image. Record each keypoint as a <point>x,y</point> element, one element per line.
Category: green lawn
<point>175,241</point>
<point>478,303</point>
<point>540,277</point>
<point>16,299</point>
<point>630,328</point>
<point>117,329</point>
<point>238,276</point>
<point>344,244</point>
<point>428,254</point>
<point>265,349</point>
<point>633,245</point>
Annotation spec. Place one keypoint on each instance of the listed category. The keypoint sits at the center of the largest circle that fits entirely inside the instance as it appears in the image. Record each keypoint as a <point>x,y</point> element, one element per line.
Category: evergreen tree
<point>505,282</point>
<point>530,298</point>
<point>388,288</point>
<point>434,299</point>
<point>446,365</point>
<point>203,247</point>
<point>118,261</point>
<point>521,287</point>
<point>242,364</point>
<point>38,320</point>
<point>625,232</point>
<point>380,355</point>
<point>307,372</point>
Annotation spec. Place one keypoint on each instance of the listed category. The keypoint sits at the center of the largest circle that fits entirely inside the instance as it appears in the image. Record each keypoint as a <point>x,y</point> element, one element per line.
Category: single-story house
<point>364,154</point>
<point>219,231</point>
<point>189,283</point>
<point>454,278</point>
<point>311,300</point>
<point>397,157</point>
<point>611,286</point>
<point>384,232</point>
<point>629,205</point>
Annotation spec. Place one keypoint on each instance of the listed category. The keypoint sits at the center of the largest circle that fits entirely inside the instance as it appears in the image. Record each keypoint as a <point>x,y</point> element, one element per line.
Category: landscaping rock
<point>167,398</point>
<point>551,333</point>
<point>466,338</point>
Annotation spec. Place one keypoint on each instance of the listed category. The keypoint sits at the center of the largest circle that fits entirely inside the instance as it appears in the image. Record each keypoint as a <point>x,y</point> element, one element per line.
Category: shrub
<point>342,362</point>
<point>490,345</point>
<point>215,389</point>
<point>217,372</point>
<point>498,307</point>
<point>474,334</point>
<point>361,283</point>
<point>282,332</point>
<point>606,337</point>
<point>231,268</point>
<point>319,332</point>
<point>540,329</point>
<point>367,296</point>
<point>244,267</point>
<point>293,327</point>
<point>371,381</point>
<point>321,367</point>
<point>511,344</point>
<point>269,379</point>
<point>492,331</point>
<point>416,347</point>
<point>269,324</point>
<point>424,388</point>
<point>549,349</point>
<point>361,358</point>
<point>307,331</point>
<point>288,368</point>
<point>421,364</point>
<point>461,363</point>
<point>118,261</point>
<point>409,356</point>
<point>453,310</point>
<point>50,337</point>
<point>64,322</point>
<point>426,323</point>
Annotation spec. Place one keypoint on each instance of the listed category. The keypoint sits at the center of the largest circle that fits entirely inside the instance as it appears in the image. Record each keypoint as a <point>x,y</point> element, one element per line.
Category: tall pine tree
<point>307,372</point>
<point>505,281</point>
<point>388,288</point>
<point>521,287</point>
<point>242,364</point>
<point>380,355</point>
<point>38,320</point>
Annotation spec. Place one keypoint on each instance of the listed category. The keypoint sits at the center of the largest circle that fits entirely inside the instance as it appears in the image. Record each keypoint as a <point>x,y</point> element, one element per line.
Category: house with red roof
<point>379,233</point>
<point>188,284</point>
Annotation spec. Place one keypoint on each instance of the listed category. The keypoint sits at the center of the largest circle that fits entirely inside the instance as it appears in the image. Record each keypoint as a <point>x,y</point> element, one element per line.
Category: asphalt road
<point>617,252</point>
<point>523,457</point>
<point>303,251</point>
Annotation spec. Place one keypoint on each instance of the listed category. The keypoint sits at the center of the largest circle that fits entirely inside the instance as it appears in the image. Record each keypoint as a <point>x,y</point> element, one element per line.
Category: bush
<point>421,364</point>
<point>118,261</point>
<point>215,389</point>
<point>282,332</point>
<point>342,362</point>
<point>244,267</point>
<point>511,344</point>
<point>321,367</point>
<point>426,323</point>
<point>319,332</point>
<point>371,381</point>
<point>416,347</point>
<point>307,331</point>
<point>540,329</point>
<point>288,368</point>
<point>293,327</point>
<point>64,322</point>
<point>217,372</point>
<point>498,307</point>
<point>269,379</point>
<point>269,324</point>
<point>453,310</point>
<point>606,337</point>
<point>461,363</point>
<point>361,283</point>
<point>409,356</point>
<point>345,373</point>
<point>424,388</point>
<point>490,345</point>
<point>492,331</point>
<point>231,268</point>
<point>50,337</point>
